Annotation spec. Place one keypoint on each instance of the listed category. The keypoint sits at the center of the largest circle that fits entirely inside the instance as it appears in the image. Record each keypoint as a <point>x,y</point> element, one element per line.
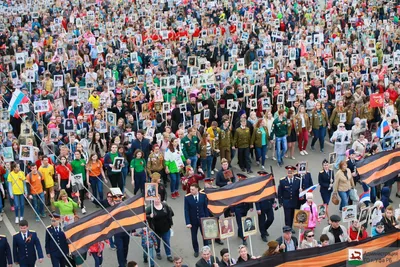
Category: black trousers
<point>263,223</point>
<point>289,216</point>
<point>244,158</point>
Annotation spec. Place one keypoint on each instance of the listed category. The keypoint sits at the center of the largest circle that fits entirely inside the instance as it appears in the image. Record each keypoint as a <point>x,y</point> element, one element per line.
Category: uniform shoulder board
<point>32,231</point>
<point>48,226</point>
<point>321,171</point>
<point>187,195</point>
<point>202,191</point>
<point>297,177</point>
<point>2,236</point>
<point>17,233</point>
<point>283,178</point>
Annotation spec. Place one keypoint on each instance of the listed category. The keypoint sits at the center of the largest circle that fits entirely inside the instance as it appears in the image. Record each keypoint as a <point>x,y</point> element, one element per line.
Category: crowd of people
<point>171,92</point>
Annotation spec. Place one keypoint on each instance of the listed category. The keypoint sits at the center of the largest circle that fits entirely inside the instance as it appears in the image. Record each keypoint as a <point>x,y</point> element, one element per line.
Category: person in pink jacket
<point>311,207</point>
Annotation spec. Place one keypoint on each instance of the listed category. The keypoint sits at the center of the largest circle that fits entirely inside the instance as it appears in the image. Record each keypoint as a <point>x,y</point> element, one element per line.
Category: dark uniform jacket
<point>24,251</point>
<point>288,194</point>
<point>59,237</point>
<point>194,211</point>
<point>5,252</point>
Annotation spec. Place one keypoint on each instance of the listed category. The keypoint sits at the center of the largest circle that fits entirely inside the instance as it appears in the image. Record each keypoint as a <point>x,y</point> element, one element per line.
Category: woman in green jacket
<point>259,140</point>
<point>173,165</point>
<point>66,206</point>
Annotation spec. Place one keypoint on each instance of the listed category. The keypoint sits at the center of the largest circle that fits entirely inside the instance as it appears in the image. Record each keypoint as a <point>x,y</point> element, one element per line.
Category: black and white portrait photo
<point>69,126</point>
<point>249,225</point>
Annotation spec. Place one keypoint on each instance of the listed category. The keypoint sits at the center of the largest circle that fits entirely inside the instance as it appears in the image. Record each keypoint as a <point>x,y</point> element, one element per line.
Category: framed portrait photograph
<point>302,168</point>
<point>166,108</point>
<point>59,104</point>
<point>210,228</point>
<point>349,213</point>
<point>192,61</point>
<point>182,108</point>
<point>226,227</point>
<point>8,154</point>
<point>206,114</point>
<point>26,129</point>
<point>23,108</point>
<point>266,103</point>
<point>58,81</point>
<point>69,126</point>
<point>151,191</point>
<point>41,106</point>
<point>249,225</point>
<point>301,218</point>
<point>5,116</point>
<point>342,117</point>
<point>280,99</point>
<point>53,134</point>
<point>88,108</point>
<point>111,118</point>
<point>322,211</point>
<point>118,164</point>
<point>364,215</point>
<point>26,153</point>
<point>253,103</point>
<point>77,182</point>
<point>332,158</point>
<point>73,93</point>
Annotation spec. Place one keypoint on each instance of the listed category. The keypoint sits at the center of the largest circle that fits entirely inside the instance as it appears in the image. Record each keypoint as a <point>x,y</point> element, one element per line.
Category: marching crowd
<point>97,94</point>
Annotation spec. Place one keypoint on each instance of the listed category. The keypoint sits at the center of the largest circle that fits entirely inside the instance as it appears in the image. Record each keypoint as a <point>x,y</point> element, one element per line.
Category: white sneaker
<point>262,167</point>
<point>302,153</point>
<point>215,169</point>
<point>83,210</point>
<point>21,218</point>
<point>293,158</point>
<point>305,152</point>
<point>212,172</point>
<point>273,158</point>
<point>17,220</point>
<point>1,218</point>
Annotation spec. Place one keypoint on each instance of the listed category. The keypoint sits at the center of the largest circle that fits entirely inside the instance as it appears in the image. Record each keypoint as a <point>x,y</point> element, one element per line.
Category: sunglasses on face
<point>310,236</point>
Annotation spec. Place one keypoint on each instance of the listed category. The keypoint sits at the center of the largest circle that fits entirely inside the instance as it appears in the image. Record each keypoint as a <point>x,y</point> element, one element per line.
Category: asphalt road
<point>181,240</point>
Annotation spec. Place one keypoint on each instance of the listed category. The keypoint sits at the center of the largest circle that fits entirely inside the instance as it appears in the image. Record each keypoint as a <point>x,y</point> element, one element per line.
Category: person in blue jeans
<point>149,242</point>
<point>2,193</point>
<point>280,131</point>
<point>17,189</point>
<point>160,219</point>
<point>95,172</point>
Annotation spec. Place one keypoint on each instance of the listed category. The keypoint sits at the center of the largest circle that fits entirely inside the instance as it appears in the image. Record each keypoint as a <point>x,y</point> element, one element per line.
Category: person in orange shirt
<point>35,184</point>
<point>95,172</point>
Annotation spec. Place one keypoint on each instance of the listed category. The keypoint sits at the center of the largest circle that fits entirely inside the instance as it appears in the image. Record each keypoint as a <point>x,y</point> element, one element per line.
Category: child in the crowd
<point>96,250</point>
<point>324,240</point>
<point>148,238</point>
<point>378,229</point>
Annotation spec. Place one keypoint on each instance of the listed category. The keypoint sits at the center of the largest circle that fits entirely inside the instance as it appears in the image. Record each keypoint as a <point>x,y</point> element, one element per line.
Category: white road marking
<point>8,224</point>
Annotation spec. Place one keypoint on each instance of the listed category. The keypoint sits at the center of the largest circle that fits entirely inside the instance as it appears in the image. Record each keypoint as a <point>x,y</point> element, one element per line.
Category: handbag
<point>335,199</point>
<point>353,195</point>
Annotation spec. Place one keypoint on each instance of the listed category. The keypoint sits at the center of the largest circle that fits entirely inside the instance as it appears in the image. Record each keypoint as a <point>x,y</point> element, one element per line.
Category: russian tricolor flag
<point>17,98</point>
<point>308,190</point>
<point>366,196</point>
<point>383,129</point>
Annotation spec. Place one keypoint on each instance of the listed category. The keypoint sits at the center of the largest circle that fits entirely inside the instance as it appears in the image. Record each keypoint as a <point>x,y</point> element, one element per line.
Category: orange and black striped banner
<point>377,251</point>
<point>379,168</point>
<point>100,225</point>
<point>246,191</point>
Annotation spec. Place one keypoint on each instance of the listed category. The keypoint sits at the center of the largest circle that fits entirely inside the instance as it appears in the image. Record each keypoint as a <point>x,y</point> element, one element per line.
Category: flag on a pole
<point>17,98</point>
<point>246,191</point>
<point>383,129</point>
<point>379,168</point>
<point>376,100</point>
<point>365,196</point>
<point>100,225</point>
<point>308,190</point>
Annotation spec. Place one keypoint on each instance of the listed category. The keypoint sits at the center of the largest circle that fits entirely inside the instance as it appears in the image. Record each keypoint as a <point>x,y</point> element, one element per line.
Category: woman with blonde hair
<point>343,184</point>
<point>66,206</point>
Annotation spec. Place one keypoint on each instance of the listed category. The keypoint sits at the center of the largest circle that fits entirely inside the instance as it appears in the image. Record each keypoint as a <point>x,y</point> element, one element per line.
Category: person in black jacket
<point>221,178</point>
<point>160,221</point>
<point>265,209</point>
<point>325,181</point>
<point>54,234</point>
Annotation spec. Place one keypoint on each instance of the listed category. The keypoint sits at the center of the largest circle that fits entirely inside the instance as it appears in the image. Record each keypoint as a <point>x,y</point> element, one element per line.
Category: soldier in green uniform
<point>242,142</point>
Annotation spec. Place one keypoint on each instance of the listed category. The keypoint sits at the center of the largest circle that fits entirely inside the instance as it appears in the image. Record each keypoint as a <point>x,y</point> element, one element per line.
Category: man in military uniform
<point>25,245</point>
<point>5,252</point>
<point>265,209</point>
<point>305,182</point>
<point>225,141</point>
<point>325,181</point>
<point>195,208</point>
<point>56,241</point>
<point>242,142</point>
<point>288,194</point>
